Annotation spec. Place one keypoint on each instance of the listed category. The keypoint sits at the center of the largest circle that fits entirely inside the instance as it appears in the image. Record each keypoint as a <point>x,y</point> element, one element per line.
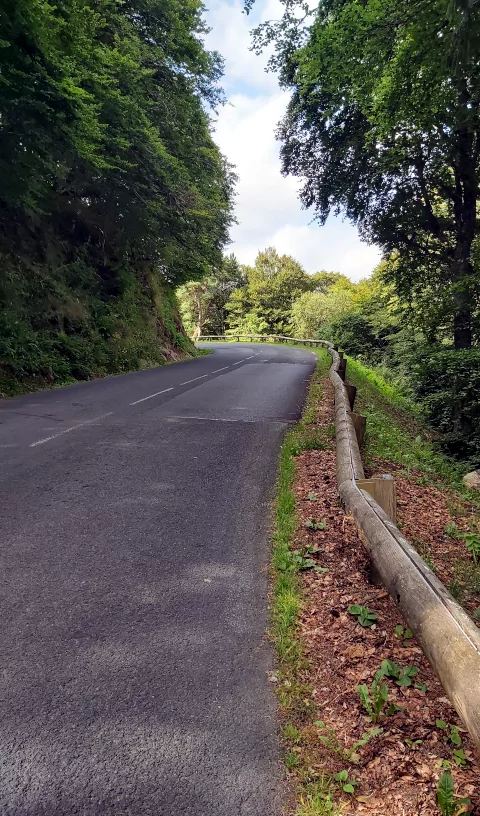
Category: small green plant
<point>363,615</point>
<point>312,497</point>
<point>472,543</point>
<point>452,530</point>
<point>292,760</point>
<point>456,589</point>
<point>331,741</point>
<point>291,733</point>
<point>352,754</point>
<point>374,699</point>
<point>401,674</point>
<point>403,634</point>
<point>348,785</point>
<point>476,614</point>
<point>295,560</point>
<point>311,524</point>
<point>430,563</point>
<point>319,803</point>
<point>449,804</point>
<point>452,736</point>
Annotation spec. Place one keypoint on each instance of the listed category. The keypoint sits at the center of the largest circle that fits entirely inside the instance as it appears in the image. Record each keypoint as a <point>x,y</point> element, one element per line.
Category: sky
<point>267,206</point>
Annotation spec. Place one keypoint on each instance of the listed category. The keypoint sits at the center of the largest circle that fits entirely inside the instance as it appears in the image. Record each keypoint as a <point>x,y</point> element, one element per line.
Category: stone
<point>472,480</point>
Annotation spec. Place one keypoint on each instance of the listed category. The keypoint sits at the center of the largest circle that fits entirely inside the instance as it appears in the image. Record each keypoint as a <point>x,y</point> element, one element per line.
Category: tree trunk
<point>465,212</point>
<point>462,321</point>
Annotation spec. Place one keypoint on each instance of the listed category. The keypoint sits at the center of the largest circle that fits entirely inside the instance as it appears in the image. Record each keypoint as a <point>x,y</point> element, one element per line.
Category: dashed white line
<point>240,361</point>
<point>151,396</point>
<point>215,419</point>
<point>251,358</point>
<point>195,379</point>
<point>220,369</point>
<point>67,430</point>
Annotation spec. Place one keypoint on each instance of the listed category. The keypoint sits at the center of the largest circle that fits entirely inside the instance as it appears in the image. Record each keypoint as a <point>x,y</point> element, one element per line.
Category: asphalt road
<point>133,608</point>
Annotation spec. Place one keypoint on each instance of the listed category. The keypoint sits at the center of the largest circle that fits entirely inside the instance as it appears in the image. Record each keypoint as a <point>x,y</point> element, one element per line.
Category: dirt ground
<point>397,771</point>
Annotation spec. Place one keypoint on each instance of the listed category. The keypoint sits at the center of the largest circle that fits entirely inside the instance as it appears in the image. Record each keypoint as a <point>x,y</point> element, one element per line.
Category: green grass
<point>395,431</point>
<point>293,692</point>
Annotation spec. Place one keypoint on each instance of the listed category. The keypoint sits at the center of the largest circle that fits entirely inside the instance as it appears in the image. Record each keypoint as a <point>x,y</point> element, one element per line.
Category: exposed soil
<point>397,772</point>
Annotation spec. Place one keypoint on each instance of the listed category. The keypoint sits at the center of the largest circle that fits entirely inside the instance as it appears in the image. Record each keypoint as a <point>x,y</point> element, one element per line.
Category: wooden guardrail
<point>260,338</point>
<point>448,637</point>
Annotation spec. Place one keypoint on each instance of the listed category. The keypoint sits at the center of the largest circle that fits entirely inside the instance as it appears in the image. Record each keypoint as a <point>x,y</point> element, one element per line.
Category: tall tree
<point>383,123</point>
<point>263,305</point>
<point>203,303</point>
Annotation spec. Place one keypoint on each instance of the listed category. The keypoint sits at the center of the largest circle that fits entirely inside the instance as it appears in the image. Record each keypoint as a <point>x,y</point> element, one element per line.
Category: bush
<point>448,384</point>
<point>354,334</point>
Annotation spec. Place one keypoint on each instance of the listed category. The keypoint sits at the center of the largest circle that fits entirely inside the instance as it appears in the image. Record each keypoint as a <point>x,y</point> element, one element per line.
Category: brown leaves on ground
<point>423,513</point>
<point>397,772</point>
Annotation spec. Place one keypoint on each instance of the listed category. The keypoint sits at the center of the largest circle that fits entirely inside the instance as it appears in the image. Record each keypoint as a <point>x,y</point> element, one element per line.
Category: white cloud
<point>268,209</point>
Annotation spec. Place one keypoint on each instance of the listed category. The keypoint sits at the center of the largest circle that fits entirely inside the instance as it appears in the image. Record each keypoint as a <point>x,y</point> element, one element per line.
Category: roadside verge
<point>325,653</point>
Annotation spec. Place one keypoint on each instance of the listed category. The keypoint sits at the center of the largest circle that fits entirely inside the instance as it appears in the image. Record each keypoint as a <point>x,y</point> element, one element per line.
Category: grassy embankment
<point>438,514</point>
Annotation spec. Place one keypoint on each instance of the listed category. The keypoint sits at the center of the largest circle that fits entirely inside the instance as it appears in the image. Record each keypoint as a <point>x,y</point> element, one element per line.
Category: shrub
<point>448,384</point>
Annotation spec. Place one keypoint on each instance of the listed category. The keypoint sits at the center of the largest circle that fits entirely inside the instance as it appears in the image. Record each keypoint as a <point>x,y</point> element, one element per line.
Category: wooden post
<point>342,369</point>
<point>360,424</point>
<point>382,489</point>
<point>352,393</point>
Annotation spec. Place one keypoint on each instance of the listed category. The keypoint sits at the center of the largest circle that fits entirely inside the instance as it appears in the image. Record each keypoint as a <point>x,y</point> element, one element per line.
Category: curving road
<point>133,517</point>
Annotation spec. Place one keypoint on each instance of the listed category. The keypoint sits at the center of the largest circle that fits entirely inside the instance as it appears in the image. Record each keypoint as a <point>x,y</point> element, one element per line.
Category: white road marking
<point>220,369</point>
<point>240,361</point>
<point>67,430</point>
<point>251,358</point>
<point>194,379</point>
<point>151,396</point>
<point>214,419</point>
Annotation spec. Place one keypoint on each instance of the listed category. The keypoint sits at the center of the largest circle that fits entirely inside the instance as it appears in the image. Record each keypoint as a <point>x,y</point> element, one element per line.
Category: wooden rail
<point>448,637</point>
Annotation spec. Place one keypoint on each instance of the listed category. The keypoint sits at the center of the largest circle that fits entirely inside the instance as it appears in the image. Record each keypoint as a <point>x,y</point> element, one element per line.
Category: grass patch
<point>395,430</point>
<point>293,692</point>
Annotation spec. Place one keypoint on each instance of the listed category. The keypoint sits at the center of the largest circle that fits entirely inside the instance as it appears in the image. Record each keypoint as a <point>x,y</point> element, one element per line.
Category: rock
<point>472,480</point>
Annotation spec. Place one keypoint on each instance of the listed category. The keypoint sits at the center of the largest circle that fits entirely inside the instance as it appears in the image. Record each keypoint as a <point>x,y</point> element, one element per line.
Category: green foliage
<point>448,383</point>
<point>390,138</point>
<point>472,543</point>
<point>348,785</point>
<point>263,305</point>
<point>112,189</point>
<point>311,524</point>
<point>374,699</point>
<point>203,303</point>
<point>363,615</point>
<point>449,804</point>
<point>331,741</point>
<point>404,634</point>
<point>402,675</point>
<point>393,431</point>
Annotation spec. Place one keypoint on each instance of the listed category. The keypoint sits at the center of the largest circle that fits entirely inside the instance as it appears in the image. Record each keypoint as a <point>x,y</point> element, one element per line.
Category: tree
<point>203,303</point>
<point>104,131</point>
<point>112,189</point>
<point>314,312</point>
<point>263,305</point>
<point>383,123</point>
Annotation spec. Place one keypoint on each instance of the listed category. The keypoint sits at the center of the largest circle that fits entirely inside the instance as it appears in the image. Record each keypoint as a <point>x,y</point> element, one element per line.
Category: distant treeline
<point>368,319</point>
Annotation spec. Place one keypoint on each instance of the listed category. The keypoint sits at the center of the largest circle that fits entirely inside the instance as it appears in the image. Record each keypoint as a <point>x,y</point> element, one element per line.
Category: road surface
<point>133,517</point>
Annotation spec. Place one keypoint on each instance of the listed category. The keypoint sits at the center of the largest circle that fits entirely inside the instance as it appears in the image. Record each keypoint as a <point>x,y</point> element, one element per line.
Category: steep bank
<point>69,321</point>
